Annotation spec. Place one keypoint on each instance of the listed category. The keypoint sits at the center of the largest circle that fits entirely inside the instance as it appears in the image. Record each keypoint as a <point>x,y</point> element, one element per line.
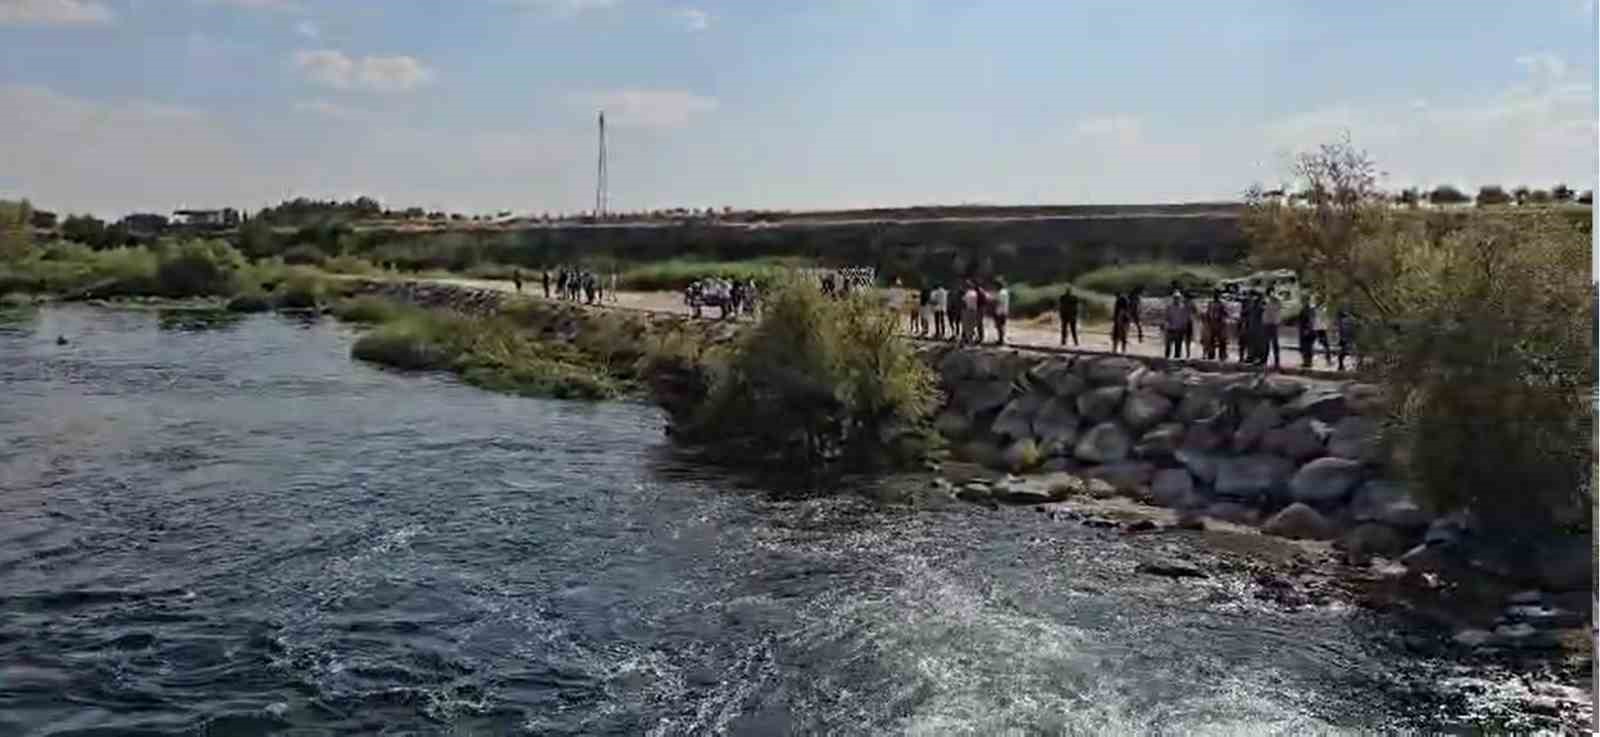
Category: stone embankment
<point>1301,459</point>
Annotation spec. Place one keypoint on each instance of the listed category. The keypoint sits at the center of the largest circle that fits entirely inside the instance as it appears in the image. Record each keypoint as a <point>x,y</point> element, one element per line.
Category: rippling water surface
<point>239,530</point>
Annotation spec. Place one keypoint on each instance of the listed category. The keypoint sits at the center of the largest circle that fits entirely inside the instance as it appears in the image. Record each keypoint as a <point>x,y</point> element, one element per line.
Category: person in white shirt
<point>1002,310</point>
<point>1271,317</point>
<point>936,302</point>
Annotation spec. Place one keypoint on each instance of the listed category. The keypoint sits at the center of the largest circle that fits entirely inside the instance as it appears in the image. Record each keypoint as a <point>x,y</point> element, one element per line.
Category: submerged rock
<point>1170,569</point>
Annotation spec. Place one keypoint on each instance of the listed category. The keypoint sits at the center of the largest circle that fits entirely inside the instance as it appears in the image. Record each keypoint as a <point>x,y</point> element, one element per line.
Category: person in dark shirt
<point>1119,323</point>
<point>544,276</point>
<point>954,305</point>
<point>1067,311</point>
<point>1135,301</point>
<point>983,308</point>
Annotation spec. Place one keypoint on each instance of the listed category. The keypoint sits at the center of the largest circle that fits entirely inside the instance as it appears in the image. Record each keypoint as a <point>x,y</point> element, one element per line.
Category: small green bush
<point>304,254</point>
<point>412,344</point>
<point>198,269</point>
<point>302,290</point>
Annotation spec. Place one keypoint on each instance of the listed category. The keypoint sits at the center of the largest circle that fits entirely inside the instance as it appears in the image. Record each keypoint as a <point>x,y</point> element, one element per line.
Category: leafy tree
<point>1492,194</point>
<point>1482,338</point>
<point>1521,194</point>
<point>43,219</point>
<point>1539,197</point>
<point>16,237</point>
<point>1409,197</point>
<point>257,240</point>
<point>86,229</point>
<point>1562,193</point>
<point>1587,198</point>
<point>1446,194</point>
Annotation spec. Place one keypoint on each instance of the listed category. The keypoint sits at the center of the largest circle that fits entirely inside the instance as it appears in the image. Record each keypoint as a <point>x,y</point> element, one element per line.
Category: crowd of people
<point>731,296</point>
<point>573,284</point>
<point>960,313</point>
<point>841,282</point>
<point>1253,324</point>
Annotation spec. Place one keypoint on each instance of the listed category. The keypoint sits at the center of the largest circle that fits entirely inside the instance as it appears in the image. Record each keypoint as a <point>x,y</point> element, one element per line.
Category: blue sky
<point>478,105</point>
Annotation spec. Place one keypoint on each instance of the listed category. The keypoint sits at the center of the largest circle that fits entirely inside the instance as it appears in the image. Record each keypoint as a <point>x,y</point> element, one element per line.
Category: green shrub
<point>1029,300</point>
<point>676,274</point>
<point>350,265</point>
<point>416,344</point>
<point>816,380</point>
<point>304,254</point>
<point>198,269</point>
<point>1155,276</point>
<point>302,290</point>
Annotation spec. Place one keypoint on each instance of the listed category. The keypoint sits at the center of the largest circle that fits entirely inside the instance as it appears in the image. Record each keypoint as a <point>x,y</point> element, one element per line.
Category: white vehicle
<point>1282,282</point>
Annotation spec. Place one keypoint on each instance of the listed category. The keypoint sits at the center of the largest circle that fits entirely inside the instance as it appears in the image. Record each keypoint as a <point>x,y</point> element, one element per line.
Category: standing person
<point>1002,311</point>
<point>925,311</point>
<point>1217,317</point>
<point>1208,333</point>
<point>956,301</point>
<point>612,292</point>
<point>1135,302</point>
<point>691,294</point>
<point>937,306</point>
<point>1119,323</point>
<point>1305,328</point>
<point>984,304</point>
<point>1319,332</point>
<point>1067,312</point>
<point>1271,319</point>
<point>544,276</point>
<point>970,320</point>
<point>1190,317</point>
<point>1347,339</point>
<point>1173,325</point>
<point>516,279</point>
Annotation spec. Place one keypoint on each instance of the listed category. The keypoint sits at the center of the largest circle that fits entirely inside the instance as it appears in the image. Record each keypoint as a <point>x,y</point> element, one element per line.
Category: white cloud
<point>1544,65</point>
<point>561,8</point>
<point>1543,129</point>
<point>308,29</point>
<point>275,6</point>
<point>692,19</point>
<point>648,108</point>
<point>332,68</point>
<point>53,12</point>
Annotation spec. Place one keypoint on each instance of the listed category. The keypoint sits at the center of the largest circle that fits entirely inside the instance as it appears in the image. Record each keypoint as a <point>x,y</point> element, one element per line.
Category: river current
<point>236,529</point>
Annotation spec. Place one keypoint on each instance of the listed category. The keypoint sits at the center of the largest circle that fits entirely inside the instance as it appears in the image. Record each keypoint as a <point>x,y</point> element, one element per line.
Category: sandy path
<point>1038,333</point>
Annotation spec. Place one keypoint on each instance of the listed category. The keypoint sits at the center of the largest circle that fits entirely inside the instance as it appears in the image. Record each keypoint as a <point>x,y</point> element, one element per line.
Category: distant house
<point>224,218</point>
<point>145,224</point>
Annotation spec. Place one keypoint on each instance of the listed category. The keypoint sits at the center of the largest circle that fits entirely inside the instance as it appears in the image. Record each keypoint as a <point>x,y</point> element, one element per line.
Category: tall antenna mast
<point>600,193</point>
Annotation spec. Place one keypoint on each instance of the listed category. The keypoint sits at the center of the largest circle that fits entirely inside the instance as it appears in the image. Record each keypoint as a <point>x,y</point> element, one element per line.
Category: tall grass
<point>1033,300</point>
<point>1155,277</point>
<point>495,353</point>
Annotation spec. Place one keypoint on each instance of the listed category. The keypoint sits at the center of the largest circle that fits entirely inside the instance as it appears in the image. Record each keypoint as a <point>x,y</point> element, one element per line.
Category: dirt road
<point>1038,333</point>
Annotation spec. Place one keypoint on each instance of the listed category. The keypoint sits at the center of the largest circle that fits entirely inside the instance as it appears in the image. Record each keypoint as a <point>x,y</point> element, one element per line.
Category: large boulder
<point>1328,405</point>
<point>1098,405</point>
<point>1173,487</point>
<point>956,367</point>
<point>1199,404</point>
<point>1263,417</point>
<point>1170,384</point>
<point>1358,438</point>
<point>1016,420</point>
<point>982,452</point>
<point>977,396</point>
<point>1363,399</point>
<point>1161,442</point>
<point>1202,464</point>
<point>1020,455</point>
<point>1252,476</point>
<point>952,424</point>
<point>1109,370</point>
<point>1060,378</point>
<point>1276,387</point>
<point>1106,442</point>
<point>1143,409</point>
<point>1301,440</point>
<point>1299,522</point>
<point>1325,481</point>
<point>1126,477</point>
<point>1388,503</point>
<point>1206,435</point>
<point>1055,426</point>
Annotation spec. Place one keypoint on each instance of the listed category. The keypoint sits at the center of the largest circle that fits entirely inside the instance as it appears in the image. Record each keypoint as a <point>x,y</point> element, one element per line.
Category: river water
<point>236,529</point>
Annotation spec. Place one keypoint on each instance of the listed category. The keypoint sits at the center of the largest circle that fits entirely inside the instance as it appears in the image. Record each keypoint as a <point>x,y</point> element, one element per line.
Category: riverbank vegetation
<point>518,350</point>
<point>816,382</point>
<point>1482,334</point>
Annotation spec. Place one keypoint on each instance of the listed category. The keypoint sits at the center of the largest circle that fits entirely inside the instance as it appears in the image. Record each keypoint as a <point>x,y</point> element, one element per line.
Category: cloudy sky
<point>117,105</point>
